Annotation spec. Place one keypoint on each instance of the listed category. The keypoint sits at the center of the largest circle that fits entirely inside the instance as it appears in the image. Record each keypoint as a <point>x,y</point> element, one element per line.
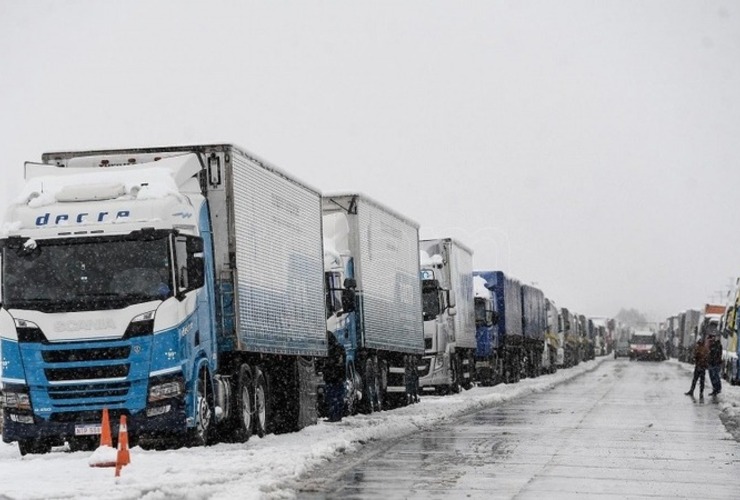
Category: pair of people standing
<point>715,363</point>
<point>707,355</point>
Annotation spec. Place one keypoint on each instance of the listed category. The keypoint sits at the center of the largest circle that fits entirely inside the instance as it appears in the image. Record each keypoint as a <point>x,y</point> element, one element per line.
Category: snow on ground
<point>728,401</point>
<point>260,468</point>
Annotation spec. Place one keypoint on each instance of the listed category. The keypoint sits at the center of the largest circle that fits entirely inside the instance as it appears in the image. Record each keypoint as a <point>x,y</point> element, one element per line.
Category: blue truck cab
<point>182,287</point>
<point>105,302</point>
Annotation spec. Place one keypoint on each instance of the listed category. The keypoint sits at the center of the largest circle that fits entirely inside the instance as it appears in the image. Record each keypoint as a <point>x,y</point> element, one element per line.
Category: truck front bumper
<point>154,421</point>
<point>436,375</point>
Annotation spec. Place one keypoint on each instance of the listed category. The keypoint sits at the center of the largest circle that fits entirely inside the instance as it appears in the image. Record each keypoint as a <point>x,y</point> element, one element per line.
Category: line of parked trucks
<point>683,330</point>
<point>193,289</point>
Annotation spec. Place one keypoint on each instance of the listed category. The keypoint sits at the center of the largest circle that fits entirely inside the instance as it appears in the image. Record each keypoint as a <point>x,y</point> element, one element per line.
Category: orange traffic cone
<point>105,435</point>
<point>123,457</point>
<point>104,456</point>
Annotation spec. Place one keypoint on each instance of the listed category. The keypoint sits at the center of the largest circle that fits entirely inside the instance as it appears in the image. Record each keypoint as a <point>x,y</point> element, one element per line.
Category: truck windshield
<point>430,299</point>
<point>85,274</point>
<point>481,318</point>
<point>642,339</point>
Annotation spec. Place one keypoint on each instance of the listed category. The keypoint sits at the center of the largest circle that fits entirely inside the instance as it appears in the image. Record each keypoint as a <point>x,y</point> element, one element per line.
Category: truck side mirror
<point>494,318</point>
<point>348,300</point>
<point>451,298</point>
<point>349,295</point>
<point>195,245</point>
<point>452,311</point>
<point>197,273</point>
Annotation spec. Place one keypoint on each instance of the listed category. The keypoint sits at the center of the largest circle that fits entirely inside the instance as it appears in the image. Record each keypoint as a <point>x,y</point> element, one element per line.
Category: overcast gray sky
<point>590,147</point>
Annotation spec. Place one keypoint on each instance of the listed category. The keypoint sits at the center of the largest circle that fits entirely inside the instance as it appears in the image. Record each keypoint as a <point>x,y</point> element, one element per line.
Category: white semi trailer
<point>449,316</point>
<point>180,286</point>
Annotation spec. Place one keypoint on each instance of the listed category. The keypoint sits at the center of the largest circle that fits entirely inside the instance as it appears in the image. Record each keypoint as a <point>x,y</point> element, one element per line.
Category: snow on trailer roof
<point>372,202</point>
<point>453,241</point>
<point>47,184</point>
<point>479,288</point>
<point>63,158</point>
<point>426,260</point>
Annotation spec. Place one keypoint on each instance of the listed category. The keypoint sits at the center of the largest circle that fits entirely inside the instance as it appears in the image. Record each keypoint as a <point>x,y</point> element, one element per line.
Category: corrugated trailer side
<point>691,327</point>
<point>462,267</point>
<point>509,300</point>
<point>533,312</point>
<point>251,328</point>
<point>388,278</point>
<point>278,251</point>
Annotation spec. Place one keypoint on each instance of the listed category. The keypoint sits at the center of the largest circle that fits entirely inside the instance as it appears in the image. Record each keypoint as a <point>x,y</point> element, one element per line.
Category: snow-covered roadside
<point>260,468</point>
<point>728,400</point>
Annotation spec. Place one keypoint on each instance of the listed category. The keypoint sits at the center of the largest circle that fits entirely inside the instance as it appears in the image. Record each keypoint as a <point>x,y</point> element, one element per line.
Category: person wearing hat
<point>715,361</point>
<point>701,361</point>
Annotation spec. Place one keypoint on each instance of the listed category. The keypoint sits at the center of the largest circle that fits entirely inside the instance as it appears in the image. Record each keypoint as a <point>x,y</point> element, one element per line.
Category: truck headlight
<point>143,324</point>
<point>165,390</point>
<point>21,419</point>
<point>28,331</point>
<point>16,400</point>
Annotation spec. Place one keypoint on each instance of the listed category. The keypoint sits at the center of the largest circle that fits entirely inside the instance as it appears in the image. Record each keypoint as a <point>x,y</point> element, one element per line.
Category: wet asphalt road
<point>624,430</point>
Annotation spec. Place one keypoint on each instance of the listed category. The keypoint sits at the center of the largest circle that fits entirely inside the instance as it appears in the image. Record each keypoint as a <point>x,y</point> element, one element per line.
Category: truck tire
<point>370,386</point>
<point>455,387</point>
<point>33,446</point>
<point>469,370</point>
<point>83,443</point>
<point>381,384</point>
<point>353,385</point>
<point>261,404</point>
<point>200,434</point>
<point>244,404</point>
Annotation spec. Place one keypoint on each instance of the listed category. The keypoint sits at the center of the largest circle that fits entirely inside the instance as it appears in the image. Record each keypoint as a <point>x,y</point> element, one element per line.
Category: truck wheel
<point>244,404</point>
<point>83,443</point>
<point>33,446</point>
<point>498,375</point>
<point>381,384</point>
<point>261,404</point>
<point>200,435</point>
<point>352,385</point>
<point>369,384</point>
<point>456,375</point>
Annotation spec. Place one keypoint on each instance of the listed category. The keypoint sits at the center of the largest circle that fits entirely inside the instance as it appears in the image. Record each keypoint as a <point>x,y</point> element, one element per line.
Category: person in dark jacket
<point>715,362</point>
<point>701,361</point>
<point>334,377</point>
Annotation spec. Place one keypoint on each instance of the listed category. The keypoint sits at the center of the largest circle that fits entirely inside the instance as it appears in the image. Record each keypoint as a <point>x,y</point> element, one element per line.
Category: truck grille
<point>95,354</point>
<point>86,373</point>
<point>88,391</point>
<point>86,416</point>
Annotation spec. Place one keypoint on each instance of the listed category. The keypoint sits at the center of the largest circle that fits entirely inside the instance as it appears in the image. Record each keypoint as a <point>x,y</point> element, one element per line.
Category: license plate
<point>87,429</point>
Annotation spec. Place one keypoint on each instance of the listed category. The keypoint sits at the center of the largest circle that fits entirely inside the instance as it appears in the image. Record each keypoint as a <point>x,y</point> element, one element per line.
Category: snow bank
<point>260,468</point>
<point>728,400</point>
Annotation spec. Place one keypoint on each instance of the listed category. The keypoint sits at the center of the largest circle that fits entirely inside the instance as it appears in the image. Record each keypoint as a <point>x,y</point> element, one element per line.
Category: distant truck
<point>622,342</point>
<point>688,333</point>
<point>644,345</point>
<point>373,299</point>
<point>554,352</point>
<point>729,330</point>
<point>501,359</point>
<point>446,268</point>
<point>572,347</point>
<point>486,333</point>
<point>180,286</point>
<point>534,325</point>
<point>710,319</point>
